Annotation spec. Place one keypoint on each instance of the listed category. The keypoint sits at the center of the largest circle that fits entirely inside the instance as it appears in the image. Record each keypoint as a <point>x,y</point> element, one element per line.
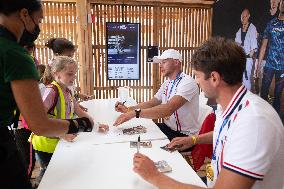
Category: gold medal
<point>209,171</point>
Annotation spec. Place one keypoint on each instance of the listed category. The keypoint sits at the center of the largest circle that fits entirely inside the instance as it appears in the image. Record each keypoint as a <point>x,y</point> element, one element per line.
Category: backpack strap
<point>55,98</point>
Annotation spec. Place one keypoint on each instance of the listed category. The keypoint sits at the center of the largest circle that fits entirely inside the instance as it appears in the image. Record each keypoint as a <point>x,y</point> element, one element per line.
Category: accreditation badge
<point>209,172</point>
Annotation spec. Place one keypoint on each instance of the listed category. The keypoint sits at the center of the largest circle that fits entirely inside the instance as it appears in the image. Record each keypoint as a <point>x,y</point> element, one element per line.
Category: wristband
<point>82,124</point>
<point>72,127</point>
<point>194,139</point>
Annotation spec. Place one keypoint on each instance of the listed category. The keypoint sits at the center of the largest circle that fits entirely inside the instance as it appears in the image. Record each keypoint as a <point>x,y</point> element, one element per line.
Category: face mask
<point>28,37</point>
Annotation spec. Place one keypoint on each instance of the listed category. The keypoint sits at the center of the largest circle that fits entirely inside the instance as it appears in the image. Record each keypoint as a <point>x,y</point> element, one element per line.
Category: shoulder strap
<point>55,98</point>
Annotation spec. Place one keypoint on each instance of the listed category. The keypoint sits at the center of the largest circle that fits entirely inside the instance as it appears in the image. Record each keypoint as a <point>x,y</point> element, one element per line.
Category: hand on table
<point>103,128</point>
<point>124,117</point>
<point>181,143</point>
<point>69,137</point>
<point>144,166</point>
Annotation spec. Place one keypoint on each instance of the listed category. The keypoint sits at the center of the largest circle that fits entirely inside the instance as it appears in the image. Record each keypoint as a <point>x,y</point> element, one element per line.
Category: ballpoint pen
<point>138,144</point>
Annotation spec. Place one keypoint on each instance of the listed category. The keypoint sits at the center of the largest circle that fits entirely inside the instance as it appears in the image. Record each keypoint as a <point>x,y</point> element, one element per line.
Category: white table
<point>104,161</point>
<point>108,166</point>
<point>102,110</point>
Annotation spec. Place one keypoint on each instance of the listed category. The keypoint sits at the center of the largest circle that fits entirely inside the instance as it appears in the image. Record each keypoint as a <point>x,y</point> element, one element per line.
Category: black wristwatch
<point>137,111</point>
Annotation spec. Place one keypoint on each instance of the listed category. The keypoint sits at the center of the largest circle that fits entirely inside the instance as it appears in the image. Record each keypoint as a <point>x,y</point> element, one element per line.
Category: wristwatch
<point>137,111</point>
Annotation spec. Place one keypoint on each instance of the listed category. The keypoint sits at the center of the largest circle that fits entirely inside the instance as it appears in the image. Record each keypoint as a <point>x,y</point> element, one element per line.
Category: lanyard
<point>176,82</point>
<point>225,121</point>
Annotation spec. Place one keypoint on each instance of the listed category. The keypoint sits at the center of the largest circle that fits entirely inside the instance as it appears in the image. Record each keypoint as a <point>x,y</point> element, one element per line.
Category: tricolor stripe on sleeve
<point>243,171</point>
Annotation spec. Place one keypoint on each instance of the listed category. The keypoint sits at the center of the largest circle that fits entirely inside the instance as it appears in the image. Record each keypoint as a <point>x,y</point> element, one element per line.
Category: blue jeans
<point>268,75</point>
<point>43,159</point>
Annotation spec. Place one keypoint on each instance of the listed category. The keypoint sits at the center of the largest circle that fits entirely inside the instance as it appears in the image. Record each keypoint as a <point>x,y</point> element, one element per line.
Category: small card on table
<point>144,144</point>
<point>163,166</point>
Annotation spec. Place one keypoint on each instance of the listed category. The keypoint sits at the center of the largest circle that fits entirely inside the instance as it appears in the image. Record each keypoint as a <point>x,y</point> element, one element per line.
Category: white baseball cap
<point>170,53</point>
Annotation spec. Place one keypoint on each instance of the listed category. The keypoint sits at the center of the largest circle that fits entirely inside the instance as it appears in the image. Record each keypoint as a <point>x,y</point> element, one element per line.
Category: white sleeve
<point>251,147</point>
<point>159,94</point>
<point>187,89</point>
<point>238,37</point>
<point>253,38</point>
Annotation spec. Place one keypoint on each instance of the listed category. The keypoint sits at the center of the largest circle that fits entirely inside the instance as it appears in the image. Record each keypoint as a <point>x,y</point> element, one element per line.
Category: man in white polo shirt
<point>248,136</point>
<point>176,101</point>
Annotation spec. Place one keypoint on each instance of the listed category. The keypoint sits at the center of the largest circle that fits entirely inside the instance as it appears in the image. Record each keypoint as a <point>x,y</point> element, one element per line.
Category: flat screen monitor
<point>123,50</point>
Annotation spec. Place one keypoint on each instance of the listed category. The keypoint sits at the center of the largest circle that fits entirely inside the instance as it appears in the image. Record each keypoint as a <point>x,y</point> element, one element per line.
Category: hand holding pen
<point>120,107</point>
<point>138,144</point>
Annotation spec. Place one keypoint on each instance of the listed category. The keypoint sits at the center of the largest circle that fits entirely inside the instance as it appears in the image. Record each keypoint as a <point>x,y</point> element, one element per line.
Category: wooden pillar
<point>157,25</point>
<point>85,47</point>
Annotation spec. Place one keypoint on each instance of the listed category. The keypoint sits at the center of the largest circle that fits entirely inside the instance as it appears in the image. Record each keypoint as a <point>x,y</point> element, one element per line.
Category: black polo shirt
<point>15,64</point>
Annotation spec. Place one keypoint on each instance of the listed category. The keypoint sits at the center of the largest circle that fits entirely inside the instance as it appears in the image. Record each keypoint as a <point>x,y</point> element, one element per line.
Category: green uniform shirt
<point>15,64</point>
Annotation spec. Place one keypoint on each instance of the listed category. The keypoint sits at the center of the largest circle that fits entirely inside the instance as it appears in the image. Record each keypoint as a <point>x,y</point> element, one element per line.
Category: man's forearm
<point>164,182</point>
<point>144,105</point>
<point>262,51</point>
<point>157,112</point>
<point>261,55</point>
<point>206,138</point>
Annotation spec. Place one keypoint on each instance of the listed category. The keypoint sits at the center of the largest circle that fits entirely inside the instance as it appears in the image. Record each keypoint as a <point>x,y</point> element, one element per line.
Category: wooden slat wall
<point>59,21</point>
<point>112,13</point>
<point>182,28</point>
<point>169,25</point>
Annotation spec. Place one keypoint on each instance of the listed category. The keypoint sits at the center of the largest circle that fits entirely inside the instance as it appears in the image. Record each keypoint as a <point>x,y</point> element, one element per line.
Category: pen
<point>138,144</point>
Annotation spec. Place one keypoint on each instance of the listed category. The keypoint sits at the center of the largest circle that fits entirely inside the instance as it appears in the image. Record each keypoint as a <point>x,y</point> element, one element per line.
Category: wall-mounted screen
<point>123,50</point>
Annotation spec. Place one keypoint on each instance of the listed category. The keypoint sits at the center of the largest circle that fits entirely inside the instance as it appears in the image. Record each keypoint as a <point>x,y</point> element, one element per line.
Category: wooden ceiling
<point>206,2</point>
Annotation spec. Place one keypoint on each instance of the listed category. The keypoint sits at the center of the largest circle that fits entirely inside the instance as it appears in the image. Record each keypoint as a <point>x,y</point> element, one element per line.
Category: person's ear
<point>24,14</point>
<point>177,62</point>
<point>215,78</point>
